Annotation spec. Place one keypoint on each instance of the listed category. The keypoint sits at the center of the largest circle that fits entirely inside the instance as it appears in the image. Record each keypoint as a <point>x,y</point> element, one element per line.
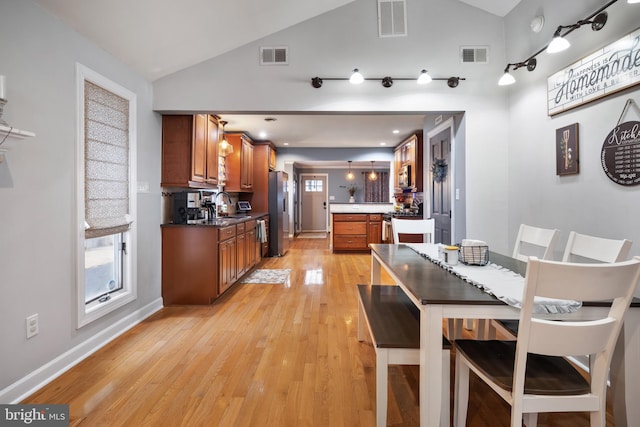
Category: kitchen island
<point>202,261</point>
<point>356,225</point>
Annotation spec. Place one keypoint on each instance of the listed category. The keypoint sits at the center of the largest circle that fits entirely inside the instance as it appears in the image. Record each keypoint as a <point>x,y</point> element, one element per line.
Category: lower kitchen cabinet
<point>227,258</point>
<point>354,232</point>
<point>189,265</point>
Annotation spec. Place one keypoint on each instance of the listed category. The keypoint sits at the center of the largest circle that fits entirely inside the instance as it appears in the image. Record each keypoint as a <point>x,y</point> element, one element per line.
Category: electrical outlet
<point>33,327</point>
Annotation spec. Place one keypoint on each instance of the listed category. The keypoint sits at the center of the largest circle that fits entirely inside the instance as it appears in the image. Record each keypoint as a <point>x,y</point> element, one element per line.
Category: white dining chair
<point>426,227</point>
<point>532,374</point>
<point>579,248</point>
<point>532,239</point>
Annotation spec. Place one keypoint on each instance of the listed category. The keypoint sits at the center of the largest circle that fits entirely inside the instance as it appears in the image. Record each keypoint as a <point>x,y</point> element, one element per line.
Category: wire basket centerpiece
<point>474,252</point>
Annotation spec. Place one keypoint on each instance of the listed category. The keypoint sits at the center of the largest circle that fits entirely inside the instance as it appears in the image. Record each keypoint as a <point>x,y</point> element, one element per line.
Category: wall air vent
<point>474,54</point>
<point>392,18</point>
<point>274,55</point>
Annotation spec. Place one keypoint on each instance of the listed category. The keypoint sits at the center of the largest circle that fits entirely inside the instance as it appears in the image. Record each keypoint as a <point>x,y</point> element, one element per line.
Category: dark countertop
<point>223,221</point>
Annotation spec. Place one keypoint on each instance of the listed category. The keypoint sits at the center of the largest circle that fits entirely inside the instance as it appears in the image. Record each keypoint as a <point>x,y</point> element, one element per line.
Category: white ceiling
<point>161,37</point>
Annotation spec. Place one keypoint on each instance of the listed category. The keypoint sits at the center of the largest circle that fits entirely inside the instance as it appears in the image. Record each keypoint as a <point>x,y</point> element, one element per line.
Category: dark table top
<point>431,284</point>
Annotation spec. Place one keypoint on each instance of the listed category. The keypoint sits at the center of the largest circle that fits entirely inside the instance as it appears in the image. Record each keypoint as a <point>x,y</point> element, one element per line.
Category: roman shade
<point>106,162</point>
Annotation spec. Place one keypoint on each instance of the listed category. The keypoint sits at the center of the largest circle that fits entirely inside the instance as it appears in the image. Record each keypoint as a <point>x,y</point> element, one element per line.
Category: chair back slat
<point>425,227</point>
<point>582,247</point>
<point>531,238</point>
<point>554,338</point>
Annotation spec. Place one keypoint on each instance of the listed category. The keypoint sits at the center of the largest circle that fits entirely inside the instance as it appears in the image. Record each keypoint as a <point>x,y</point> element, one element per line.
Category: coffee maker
<point>187,208</point>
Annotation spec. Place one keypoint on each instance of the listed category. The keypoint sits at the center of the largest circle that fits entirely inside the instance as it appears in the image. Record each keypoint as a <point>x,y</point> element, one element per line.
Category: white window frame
<point>129,292</point>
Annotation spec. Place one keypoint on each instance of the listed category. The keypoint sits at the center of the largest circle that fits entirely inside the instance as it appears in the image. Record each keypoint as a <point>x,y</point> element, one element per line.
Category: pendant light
<point>350,175</point>
<point>225,148</point>
<point>372,176</point>
<point>424,78</point>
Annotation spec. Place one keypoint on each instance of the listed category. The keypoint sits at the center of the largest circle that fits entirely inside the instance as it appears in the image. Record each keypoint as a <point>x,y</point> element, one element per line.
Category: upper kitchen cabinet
<point>239,164</point>
<point>408,160</point>
<point>190,151</point>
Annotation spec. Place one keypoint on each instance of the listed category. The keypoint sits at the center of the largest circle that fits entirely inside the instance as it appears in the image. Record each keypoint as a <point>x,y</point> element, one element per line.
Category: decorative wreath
<point>439,169</point>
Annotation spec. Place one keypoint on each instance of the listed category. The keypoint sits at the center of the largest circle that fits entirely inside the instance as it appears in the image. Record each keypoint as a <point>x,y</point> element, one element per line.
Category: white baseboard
<point>29,384</point>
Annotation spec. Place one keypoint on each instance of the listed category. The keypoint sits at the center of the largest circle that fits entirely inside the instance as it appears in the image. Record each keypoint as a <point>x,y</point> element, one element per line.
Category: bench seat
<point>393,322</point>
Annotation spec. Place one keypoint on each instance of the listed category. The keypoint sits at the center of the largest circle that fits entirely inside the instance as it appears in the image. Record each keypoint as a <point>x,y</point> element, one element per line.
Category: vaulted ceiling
<point>160,37</point>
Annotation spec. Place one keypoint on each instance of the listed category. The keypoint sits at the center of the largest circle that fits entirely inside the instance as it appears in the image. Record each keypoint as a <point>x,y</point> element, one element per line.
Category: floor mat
<point>267,276</point>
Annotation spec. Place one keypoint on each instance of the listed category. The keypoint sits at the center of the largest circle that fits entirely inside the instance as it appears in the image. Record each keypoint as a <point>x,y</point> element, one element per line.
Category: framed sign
<point>611,69</point>
<point>567,162</point>
<point>620,154</point>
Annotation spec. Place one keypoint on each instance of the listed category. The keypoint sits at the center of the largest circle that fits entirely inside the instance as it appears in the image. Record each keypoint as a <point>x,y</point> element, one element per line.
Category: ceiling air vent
<point>474,54</point>
<point>392,18</point>
<point>274,55</point>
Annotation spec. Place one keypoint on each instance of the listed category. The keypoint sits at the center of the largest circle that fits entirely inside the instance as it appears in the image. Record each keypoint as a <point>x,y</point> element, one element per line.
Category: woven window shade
<point>106,162</point>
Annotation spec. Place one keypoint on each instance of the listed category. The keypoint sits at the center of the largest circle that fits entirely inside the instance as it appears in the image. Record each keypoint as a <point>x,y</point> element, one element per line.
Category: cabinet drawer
<point>349,228</point>
<point>349,242</point>
<point>225,233</point>
<point>375,217</point>
<point>250,225</point>
<point>240,228</point>
<point>349,217</point>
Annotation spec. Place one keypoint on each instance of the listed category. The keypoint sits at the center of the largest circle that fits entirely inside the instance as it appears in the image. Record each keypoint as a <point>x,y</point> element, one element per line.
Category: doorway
<point>313,202</point>
<point>442,168</point>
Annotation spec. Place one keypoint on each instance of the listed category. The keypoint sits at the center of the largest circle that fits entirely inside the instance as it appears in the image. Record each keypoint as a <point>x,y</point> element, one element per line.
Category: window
<point>106,242</point>
<point>313,185</point>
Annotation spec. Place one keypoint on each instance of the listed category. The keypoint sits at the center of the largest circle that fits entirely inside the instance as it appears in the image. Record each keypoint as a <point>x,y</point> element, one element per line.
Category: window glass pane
<point>313,185</point>
<point>102,263</point>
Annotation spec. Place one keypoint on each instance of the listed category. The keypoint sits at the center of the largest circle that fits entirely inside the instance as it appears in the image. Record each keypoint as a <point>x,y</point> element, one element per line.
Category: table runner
<point>495,280</point>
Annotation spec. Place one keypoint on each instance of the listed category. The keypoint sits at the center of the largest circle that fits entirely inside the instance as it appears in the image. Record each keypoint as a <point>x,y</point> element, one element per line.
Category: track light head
<point>453,82</point>
<point>531,64</point>
<point>316,82</point>
<point>599,21</point>
<point>387,81</point>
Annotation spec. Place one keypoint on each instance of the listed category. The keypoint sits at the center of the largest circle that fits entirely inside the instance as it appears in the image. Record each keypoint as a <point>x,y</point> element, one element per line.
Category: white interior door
<point>313,201</point>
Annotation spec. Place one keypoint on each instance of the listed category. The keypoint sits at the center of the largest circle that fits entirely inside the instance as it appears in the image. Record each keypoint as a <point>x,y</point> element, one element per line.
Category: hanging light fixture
<point>372,175</point>
<point>350,175</point>
<point>224,148</point>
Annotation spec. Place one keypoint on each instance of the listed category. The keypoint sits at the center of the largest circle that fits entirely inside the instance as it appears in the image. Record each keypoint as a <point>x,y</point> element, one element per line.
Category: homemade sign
<point>608,70</point>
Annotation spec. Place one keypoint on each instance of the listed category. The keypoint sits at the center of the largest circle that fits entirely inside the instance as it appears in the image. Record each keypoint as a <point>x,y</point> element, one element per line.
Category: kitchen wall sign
<point>567,162</point>
<point>621,154</point>
<point>611,69</point>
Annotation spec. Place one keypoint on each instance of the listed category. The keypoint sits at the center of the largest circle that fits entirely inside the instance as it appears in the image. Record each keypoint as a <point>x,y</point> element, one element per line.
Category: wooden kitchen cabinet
<point>410,153</point>
<point>354,232</point>
<point>189,151</point>
<point>374,229</point>
<point>189,265</point>
<point>227,258</point>
<point>239,164</point>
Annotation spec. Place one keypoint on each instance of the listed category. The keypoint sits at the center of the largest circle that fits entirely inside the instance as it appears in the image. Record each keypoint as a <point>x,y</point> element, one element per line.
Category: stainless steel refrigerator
<point>278,213</point>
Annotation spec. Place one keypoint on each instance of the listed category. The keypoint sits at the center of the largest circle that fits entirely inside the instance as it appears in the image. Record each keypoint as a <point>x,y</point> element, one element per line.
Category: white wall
<point>37,194</point>
<point>589,202</point>
<point>332,44</point>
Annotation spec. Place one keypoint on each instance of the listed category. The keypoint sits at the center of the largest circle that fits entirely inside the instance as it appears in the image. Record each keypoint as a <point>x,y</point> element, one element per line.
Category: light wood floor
<point>262,355</point>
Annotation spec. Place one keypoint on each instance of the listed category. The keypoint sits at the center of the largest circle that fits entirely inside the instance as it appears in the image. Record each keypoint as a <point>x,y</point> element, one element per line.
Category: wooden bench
<point>394,326</point>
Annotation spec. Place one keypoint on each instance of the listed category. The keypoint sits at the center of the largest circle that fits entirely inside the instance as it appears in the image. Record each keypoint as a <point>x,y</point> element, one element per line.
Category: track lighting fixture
<point>424,78</point>
<point>350,175</point>
<point>356,78</point>
<point>559,43</point>
<point>508,79</point>
<point>597,19</point>
<point>387,81</point>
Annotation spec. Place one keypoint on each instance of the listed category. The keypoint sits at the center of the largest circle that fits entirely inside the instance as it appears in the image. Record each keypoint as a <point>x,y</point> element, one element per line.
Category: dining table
<point>439,295</point>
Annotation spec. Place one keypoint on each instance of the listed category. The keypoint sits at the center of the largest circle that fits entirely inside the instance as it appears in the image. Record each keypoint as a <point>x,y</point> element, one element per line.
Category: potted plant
<point>352,191</point>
